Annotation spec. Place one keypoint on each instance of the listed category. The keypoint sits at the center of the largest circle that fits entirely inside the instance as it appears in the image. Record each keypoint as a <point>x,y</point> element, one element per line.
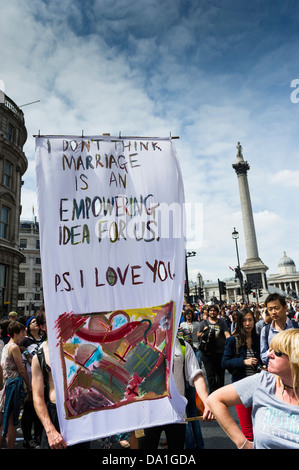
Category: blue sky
<point>211,72</point>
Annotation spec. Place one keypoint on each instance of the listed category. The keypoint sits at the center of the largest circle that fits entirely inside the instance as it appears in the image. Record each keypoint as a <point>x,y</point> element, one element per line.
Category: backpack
<point>207,340</point>
<point>45,370</point>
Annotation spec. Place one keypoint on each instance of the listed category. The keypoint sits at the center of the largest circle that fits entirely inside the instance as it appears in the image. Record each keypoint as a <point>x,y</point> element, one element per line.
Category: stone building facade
<point>30,272</point>
<point>287,278</point>
<point>284,282</point>
<point>13,164</point>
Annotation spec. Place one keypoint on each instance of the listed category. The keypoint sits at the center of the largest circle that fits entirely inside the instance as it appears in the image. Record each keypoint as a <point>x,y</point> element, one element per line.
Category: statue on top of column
<point>239,147</point>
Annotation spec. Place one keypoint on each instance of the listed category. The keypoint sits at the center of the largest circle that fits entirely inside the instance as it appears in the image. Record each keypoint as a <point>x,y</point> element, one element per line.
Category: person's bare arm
<point>54,437</point>
<point>1,378</point>
<point>199,333</point>
<point>202,392</point>
<point>219,403</point>
<point>15,353</point>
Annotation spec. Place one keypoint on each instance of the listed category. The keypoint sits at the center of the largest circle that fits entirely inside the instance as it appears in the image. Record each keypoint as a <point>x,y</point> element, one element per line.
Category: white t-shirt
<point>193,328</point>
<point>192,369</point>
<point>275,423</point>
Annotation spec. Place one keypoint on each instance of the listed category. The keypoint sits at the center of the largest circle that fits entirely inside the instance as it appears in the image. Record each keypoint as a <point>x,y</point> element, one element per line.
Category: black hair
<point>4,325</point>
<point>189,310</point>
<point>22,320</point>
<point>214,307</point>
<point>40,315</point>
<point>240,329</point>
<point>272,297</point>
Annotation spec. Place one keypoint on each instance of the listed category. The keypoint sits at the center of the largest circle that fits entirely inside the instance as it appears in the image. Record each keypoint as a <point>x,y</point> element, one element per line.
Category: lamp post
<point>235,236</point>
<point>188,255</point>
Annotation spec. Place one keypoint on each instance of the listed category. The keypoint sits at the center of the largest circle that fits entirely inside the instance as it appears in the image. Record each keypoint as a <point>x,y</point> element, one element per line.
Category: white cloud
<point>288,178</point>
<point>206,72</point>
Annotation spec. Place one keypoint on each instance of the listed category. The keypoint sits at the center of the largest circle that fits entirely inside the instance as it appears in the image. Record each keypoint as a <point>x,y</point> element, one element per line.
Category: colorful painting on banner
<point>111,213</point>
<point>112,359</point>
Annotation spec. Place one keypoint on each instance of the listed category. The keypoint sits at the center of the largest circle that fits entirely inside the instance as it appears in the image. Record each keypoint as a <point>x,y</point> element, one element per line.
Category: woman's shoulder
<point>27,341</point>
<point>266,378</point>
<point>12,347</point>
<point>230,340</point>
<point>11,350</point>
<point>264,381</point>
<point>233,342</point>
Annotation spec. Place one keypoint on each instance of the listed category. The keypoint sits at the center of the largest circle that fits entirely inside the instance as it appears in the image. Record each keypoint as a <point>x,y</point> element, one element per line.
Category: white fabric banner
<point>112,241</point>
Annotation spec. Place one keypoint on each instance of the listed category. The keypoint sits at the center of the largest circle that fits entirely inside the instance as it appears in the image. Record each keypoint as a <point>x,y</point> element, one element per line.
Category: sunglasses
<point>278,353</point>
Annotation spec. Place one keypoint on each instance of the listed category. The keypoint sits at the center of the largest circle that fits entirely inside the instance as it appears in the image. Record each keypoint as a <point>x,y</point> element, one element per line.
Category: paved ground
<point>213,435</point>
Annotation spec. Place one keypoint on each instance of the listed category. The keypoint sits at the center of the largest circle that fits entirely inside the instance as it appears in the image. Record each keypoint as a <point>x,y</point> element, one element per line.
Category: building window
<point>17,139</point>
<point>10,132</point>
<point>2,276</point>
<point>37,261</point>
<point>22,279</point>
<point>37,279</point>
<point>36,296</point>
<point>37,246</point>
<point>7,174</point>
<point>21,296</point>
<point>23,242</point>
<point>4,222</point>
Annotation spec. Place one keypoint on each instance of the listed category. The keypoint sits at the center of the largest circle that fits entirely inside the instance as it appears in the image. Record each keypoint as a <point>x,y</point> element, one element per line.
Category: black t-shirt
<point>31,344</point>
<point>220,327</point>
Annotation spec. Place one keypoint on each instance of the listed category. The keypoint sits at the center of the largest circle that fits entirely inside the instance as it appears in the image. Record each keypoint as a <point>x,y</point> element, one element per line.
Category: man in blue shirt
<point>277,307</point>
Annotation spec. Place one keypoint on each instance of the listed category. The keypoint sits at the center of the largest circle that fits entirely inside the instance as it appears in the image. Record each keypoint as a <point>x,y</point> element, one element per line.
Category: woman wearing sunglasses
<point>273,395</point>
<point>241,358</point>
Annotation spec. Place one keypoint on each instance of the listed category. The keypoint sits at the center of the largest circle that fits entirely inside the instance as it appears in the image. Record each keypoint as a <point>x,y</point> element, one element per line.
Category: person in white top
<point>185,366</point>
<point>192,326</point>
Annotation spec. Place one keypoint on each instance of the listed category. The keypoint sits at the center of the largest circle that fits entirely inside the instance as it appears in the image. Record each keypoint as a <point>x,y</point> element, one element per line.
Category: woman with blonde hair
<point>287,344</point>
<point>273,395</point>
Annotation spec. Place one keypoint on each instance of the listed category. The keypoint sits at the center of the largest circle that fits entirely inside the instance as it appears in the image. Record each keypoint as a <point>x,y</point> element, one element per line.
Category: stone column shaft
<point>247,216</point>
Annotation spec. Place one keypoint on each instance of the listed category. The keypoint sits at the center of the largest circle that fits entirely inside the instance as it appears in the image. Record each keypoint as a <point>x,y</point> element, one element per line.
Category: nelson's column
<point>254,268</point>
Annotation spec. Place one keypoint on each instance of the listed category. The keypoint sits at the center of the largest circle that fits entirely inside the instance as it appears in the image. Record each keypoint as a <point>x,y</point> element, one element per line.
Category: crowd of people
<point>258,344</point>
